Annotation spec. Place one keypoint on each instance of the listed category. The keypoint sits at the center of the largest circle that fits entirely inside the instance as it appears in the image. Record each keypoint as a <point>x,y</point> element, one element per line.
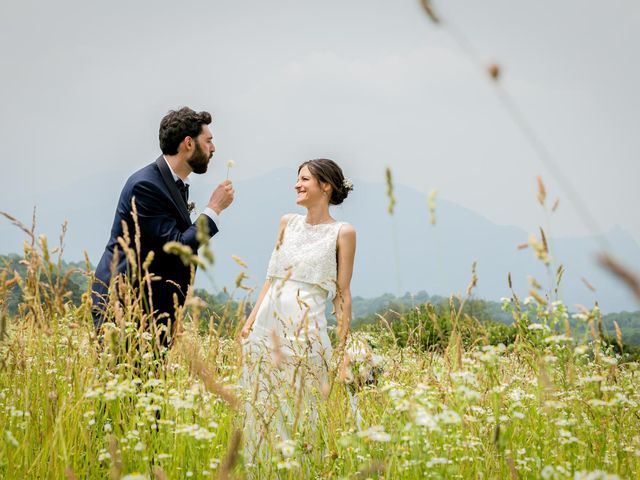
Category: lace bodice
<point>307,253</point>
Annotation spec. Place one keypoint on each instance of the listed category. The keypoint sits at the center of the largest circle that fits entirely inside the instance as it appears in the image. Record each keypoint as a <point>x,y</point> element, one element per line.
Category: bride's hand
<point>244,333</point>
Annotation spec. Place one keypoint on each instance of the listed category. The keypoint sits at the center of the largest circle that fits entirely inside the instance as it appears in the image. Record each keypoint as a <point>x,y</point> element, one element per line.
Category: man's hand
<point>221,197</point>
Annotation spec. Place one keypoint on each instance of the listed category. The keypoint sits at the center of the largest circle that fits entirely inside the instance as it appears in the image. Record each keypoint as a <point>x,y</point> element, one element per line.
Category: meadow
<point>420,396</point>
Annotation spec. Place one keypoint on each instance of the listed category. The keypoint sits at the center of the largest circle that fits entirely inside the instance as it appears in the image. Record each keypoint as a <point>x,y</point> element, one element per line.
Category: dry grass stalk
<point>459,351</point>
<point>20,225</point>
<point>390,195</point>
<point>544,241</point>
<point>512,468</point>
<point>539,248</point>
<point>426,5</point>
<point>556,203</point>
<point>542,192</point>
<point>159,473</point>
<point>344,368</point>
<point>588,284</point>
<point>70,474</point>
<point>534,283</point>
<point>241,276</point>
<point>618,335</point>
<point>537,296</point>
<point>203,371</point>
<point>623,273</point>
<point>231,457</point>
<point>494,71</point>
<point>239,261</point>
<point>116,460</point>
<point>278,356</point>
<point>431,205</point>
<point>559,274</point>
<point>375,468</point>
<point>474,279</point>
<point>567,327</point>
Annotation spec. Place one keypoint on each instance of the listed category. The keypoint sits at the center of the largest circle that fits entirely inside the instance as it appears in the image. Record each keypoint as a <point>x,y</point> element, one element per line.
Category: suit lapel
<point>167,177</point>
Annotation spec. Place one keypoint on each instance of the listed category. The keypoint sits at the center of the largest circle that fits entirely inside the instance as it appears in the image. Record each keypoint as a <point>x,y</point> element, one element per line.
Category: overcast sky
<point>369,83</point>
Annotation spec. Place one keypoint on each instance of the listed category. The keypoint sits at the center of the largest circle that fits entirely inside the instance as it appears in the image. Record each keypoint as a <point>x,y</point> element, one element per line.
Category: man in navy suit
<point>160,191</point>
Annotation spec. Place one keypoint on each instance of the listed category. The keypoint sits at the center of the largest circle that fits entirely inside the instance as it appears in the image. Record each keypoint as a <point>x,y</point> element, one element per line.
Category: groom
<point>161,192</point>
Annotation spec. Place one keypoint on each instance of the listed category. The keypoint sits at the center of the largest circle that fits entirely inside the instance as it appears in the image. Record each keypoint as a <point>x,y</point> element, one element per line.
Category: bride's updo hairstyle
<point>328,171</point>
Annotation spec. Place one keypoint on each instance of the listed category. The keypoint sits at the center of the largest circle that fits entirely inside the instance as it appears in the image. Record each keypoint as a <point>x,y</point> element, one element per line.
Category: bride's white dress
<point>288,352</point>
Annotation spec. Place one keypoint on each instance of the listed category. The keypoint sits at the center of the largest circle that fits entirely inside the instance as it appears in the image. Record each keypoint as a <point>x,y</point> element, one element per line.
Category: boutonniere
<point>191,206</point>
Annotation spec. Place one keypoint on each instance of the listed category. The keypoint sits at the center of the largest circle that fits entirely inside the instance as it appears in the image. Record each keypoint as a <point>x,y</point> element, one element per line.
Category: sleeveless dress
<point>288,352</point>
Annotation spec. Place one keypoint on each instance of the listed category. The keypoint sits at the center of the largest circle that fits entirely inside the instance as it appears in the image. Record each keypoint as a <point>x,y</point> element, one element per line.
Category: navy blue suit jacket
<point>163,217</point>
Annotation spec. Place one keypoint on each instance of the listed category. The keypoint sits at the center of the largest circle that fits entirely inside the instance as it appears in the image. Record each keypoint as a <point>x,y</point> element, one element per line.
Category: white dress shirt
<point>209,212</point>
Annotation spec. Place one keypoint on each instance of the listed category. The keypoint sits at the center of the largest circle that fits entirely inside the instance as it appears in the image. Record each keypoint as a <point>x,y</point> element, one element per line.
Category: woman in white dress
<point>286,348</point>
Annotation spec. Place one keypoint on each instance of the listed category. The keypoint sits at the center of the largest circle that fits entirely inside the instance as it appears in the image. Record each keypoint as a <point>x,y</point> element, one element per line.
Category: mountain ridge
<point>395,254</point>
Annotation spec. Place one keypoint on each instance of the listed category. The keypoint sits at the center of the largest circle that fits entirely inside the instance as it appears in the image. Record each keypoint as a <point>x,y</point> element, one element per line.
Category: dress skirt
<point>285,371</point>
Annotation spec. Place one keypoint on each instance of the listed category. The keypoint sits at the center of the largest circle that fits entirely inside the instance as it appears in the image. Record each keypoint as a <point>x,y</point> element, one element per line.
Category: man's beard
<point>199,161</point>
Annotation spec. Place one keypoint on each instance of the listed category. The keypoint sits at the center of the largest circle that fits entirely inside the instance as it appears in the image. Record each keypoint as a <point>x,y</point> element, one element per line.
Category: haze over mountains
<point>395,254</point>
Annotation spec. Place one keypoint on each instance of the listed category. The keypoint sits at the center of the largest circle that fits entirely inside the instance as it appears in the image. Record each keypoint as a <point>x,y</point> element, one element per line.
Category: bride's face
<point>310,191</point>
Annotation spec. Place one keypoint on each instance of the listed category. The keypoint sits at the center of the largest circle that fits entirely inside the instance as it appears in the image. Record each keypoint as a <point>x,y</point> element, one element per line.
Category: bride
<point>287,351</point>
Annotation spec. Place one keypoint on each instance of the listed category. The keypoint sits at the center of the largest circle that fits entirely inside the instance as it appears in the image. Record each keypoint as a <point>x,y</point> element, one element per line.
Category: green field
<point>448,400</point>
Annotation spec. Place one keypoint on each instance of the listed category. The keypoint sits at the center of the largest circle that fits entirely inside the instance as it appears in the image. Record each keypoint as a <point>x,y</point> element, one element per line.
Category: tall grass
<point>72,406</point>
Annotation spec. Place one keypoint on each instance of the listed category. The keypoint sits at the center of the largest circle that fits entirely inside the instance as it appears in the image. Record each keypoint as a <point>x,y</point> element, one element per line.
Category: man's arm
<point>157,225</point>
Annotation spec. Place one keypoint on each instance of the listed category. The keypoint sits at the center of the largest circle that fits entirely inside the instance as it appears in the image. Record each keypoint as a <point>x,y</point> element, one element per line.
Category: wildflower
<point>609,360</point>
<point>135,476</point>
<point>580,349</point>
<point>375,433</point>
<point>10,438</point>
<point>396,393</point>
<point>438,461</point>
<point>287,448</point>
<point>104,455</point>
<point>537,326</point>
<point>594,475</point>
<point>516,394</point>
<point>288,464</point>
<point>448,417</point>
<point>230,165</point>
<point>423,418</point>
<point>468,393</point>
<point>558,339</point>
<point>592,379</point>
<point>506,303</point>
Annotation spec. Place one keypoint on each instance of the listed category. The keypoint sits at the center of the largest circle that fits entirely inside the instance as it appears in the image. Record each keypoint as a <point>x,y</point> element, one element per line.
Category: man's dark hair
<point>178,124</point>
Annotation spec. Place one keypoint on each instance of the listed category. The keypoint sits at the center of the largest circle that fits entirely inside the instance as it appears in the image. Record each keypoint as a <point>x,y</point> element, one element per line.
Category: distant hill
<point>394,254</point>
<point>365,310</point>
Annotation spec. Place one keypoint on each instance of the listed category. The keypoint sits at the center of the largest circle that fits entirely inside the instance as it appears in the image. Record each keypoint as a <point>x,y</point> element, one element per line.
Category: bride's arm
<point>252,316</point>
<point>265,287</point>
<point>346,250</point>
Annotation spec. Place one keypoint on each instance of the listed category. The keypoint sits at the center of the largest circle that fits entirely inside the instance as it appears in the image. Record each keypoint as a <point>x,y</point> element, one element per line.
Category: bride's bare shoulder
<point>347,231</point>
<point>285,219</point>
